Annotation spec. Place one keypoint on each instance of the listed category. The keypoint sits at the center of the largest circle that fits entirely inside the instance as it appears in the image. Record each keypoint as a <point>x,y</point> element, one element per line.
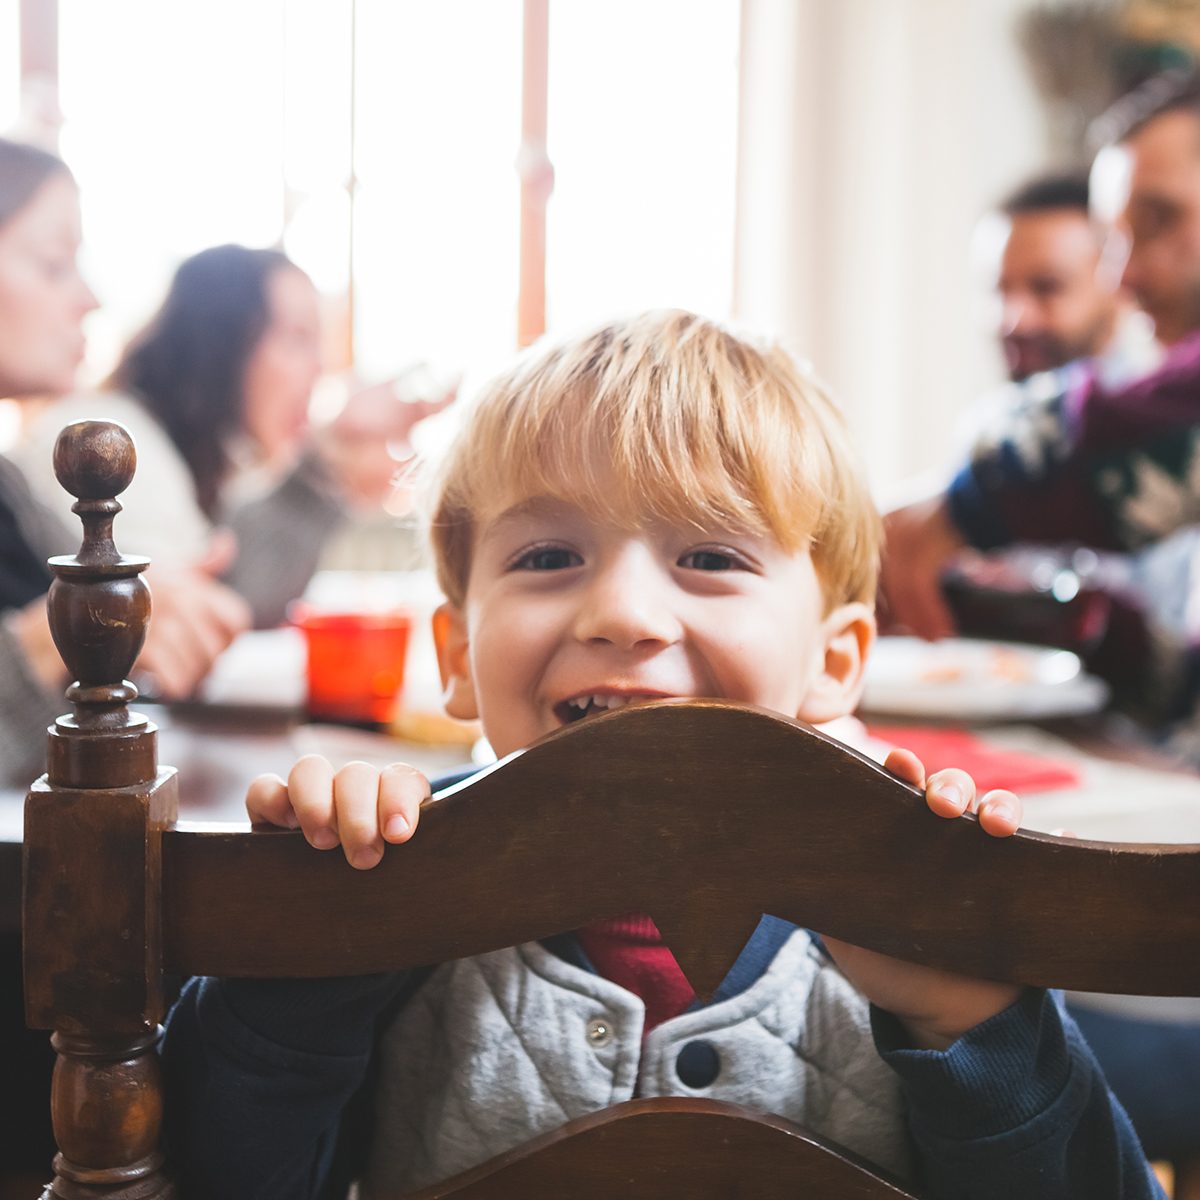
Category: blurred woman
<point>43,301</point>
<point>216,391</point>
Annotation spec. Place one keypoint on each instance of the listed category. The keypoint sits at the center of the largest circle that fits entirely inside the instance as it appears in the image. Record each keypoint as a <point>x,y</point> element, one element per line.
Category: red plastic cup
<point>355,663</point>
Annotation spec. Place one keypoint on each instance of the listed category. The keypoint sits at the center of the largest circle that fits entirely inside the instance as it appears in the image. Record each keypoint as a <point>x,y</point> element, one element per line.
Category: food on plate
<point>433,728</point>
<point>994,662</point>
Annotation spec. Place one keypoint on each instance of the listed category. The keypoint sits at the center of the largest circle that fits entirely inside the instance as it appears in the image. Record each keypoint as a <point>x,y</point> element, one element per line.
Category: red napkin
<point>990,767</point>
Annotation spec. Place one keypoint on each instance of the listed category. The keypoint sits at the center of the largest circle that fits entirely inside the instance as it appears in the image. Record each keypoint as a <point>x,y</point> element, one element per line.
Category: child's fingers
<point>355,801</point>
<point>268,803</point>
<point>310,789</point>
<point>1000,813</point>
<point>904,764</point>
<point>950,793</point>
<point>402,791</point>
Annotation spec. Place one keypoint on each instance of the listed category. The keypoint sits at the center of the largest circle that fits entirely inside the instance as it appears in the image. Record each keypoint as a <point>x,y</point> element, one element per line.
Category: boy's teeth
<point>583,703</point>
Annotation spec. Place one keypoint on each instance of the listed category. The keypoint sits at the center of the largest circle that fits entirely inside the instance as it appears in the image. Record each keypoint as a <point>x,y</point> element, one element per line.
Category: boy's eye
<point>547,558</point>
<point>711,560</point>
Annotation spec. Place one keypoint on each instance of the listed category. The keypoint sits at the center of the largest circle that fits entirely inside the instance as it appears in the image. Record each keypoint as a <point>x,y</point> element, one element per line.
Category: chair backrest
<point>703,814</point>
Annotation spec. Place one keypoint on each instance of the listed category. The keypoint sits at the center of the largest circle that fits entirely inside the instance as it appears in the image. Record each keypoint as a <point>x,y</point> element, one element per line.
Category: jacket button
<point>698,1064</point>
<point>599,1032</point>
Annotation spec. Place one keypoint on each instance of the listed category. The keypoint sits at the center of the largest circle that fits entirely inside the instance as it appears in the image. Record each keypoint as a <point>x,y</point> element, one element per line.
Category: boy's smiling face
<point>567,614</point>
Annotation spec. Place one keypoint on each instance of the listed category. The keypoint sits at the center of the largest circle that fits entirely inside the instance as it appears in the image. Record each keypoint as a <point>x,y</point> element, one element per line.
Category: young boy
<point>658,509</point>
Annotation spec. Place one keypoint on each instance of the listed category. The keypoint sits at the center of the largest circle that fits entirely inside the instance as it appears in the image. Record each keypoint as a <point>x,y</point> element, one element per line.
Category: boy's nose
<point>627,605</point>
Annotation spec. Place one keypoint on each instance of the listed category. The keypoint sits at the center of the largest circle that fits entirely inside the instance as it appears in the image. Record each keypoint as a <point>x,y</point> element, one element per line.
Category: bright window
<point>378,141</point>
<point>174,128</point>
<point>643,137</point>
<point>436,232</point>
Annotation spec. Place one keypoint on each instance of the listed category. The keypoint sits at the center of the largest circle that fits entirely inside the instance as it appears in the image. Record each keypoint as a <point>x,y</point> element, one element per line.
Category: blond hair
<point>670,415</point>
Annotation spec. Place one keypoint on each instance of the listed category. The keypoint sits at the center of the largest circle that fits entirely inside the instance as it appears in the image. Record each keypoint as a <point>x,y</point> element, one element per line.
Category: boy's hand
<point>359,807</point>
<point>951,792</point>
<point>936,1007</point>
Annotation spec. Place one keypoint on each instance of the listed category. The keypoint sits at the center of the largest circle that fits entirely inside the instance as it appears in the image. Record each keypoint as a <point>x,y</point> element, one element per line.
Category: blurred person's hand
<point>366,444</point>
<point>31,627</point>
<point>919,542</point>
<point>193,618</point>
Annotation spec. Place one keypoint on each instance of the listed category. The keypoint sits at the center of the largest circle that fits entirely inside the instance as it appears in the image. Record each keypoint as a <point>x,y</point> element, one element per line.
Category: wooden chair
<point>705,815</point>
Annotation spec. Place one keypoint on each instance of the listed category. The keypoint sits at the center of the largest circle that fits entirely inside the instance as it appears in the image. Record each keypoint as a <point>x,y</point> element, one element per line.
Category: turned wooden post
<point>92,865</point>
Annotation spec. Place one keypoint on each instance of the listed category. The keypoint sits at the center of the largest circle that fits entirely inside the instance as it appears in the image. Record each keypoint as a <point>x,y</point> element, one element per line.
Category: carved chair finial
<point>99,608</point>
<point>92,858</point>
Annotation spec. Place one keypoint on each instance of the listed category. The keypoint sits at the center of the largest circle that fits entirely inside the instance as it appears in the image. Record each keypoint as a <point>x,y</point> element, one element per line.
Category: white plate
<point>966,679</point>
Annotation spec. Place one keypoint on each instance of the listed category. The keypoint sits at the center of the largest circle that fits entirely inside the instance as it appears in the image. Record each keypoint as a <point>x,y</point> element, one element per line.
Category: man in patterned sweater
<point>1115,469</point>
<point>1076,461</point>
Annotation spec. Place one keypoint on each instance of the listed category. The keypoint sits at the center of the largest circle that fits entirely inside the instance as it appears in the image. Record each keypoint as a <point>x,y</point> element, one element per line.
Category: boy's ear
<point>454,663</point>
<point>848,634</point>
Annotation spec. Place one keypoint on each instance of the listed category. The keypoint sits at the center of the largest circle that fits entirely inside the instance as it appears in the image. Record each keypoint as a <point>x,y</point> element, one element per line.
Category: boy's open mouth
<point>588,704</point>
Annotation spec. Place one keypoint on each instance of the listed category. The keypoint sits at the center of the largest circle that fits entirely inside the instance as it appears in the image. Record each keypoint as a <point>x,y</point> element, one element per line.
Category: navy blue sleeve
<point>974,514</point>
<point>259,1075</point>
<point>1017,1107</point>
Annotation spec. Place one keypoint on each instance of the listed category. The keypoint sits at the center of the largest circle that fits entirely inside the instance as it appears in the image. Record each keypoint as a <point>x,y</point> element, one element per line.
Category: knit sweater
<point>1075,462</point>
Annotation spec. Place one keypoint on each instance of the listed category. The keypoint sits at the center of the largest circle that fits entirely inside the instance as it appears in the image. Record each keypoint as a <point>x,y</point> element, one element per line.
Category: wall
<point>873,134</point>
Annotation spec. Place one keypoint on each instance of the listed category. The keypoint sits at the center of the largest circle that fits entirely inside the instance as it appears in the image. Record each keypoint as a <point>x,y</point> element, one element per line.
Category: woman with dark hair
<point>216,391</point>
<point>232,354</point>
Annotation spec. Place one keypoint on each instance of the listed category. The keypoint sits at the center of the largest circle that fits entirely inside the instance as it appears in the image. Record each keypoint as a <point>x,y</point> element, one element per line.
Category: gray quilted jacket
<point>497,1049</point>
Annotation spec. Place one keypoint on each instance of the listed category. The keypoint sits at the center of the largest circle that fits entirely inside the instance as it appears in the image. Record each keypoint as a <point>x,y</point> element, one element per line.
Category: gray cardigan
<point>26,707</point>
